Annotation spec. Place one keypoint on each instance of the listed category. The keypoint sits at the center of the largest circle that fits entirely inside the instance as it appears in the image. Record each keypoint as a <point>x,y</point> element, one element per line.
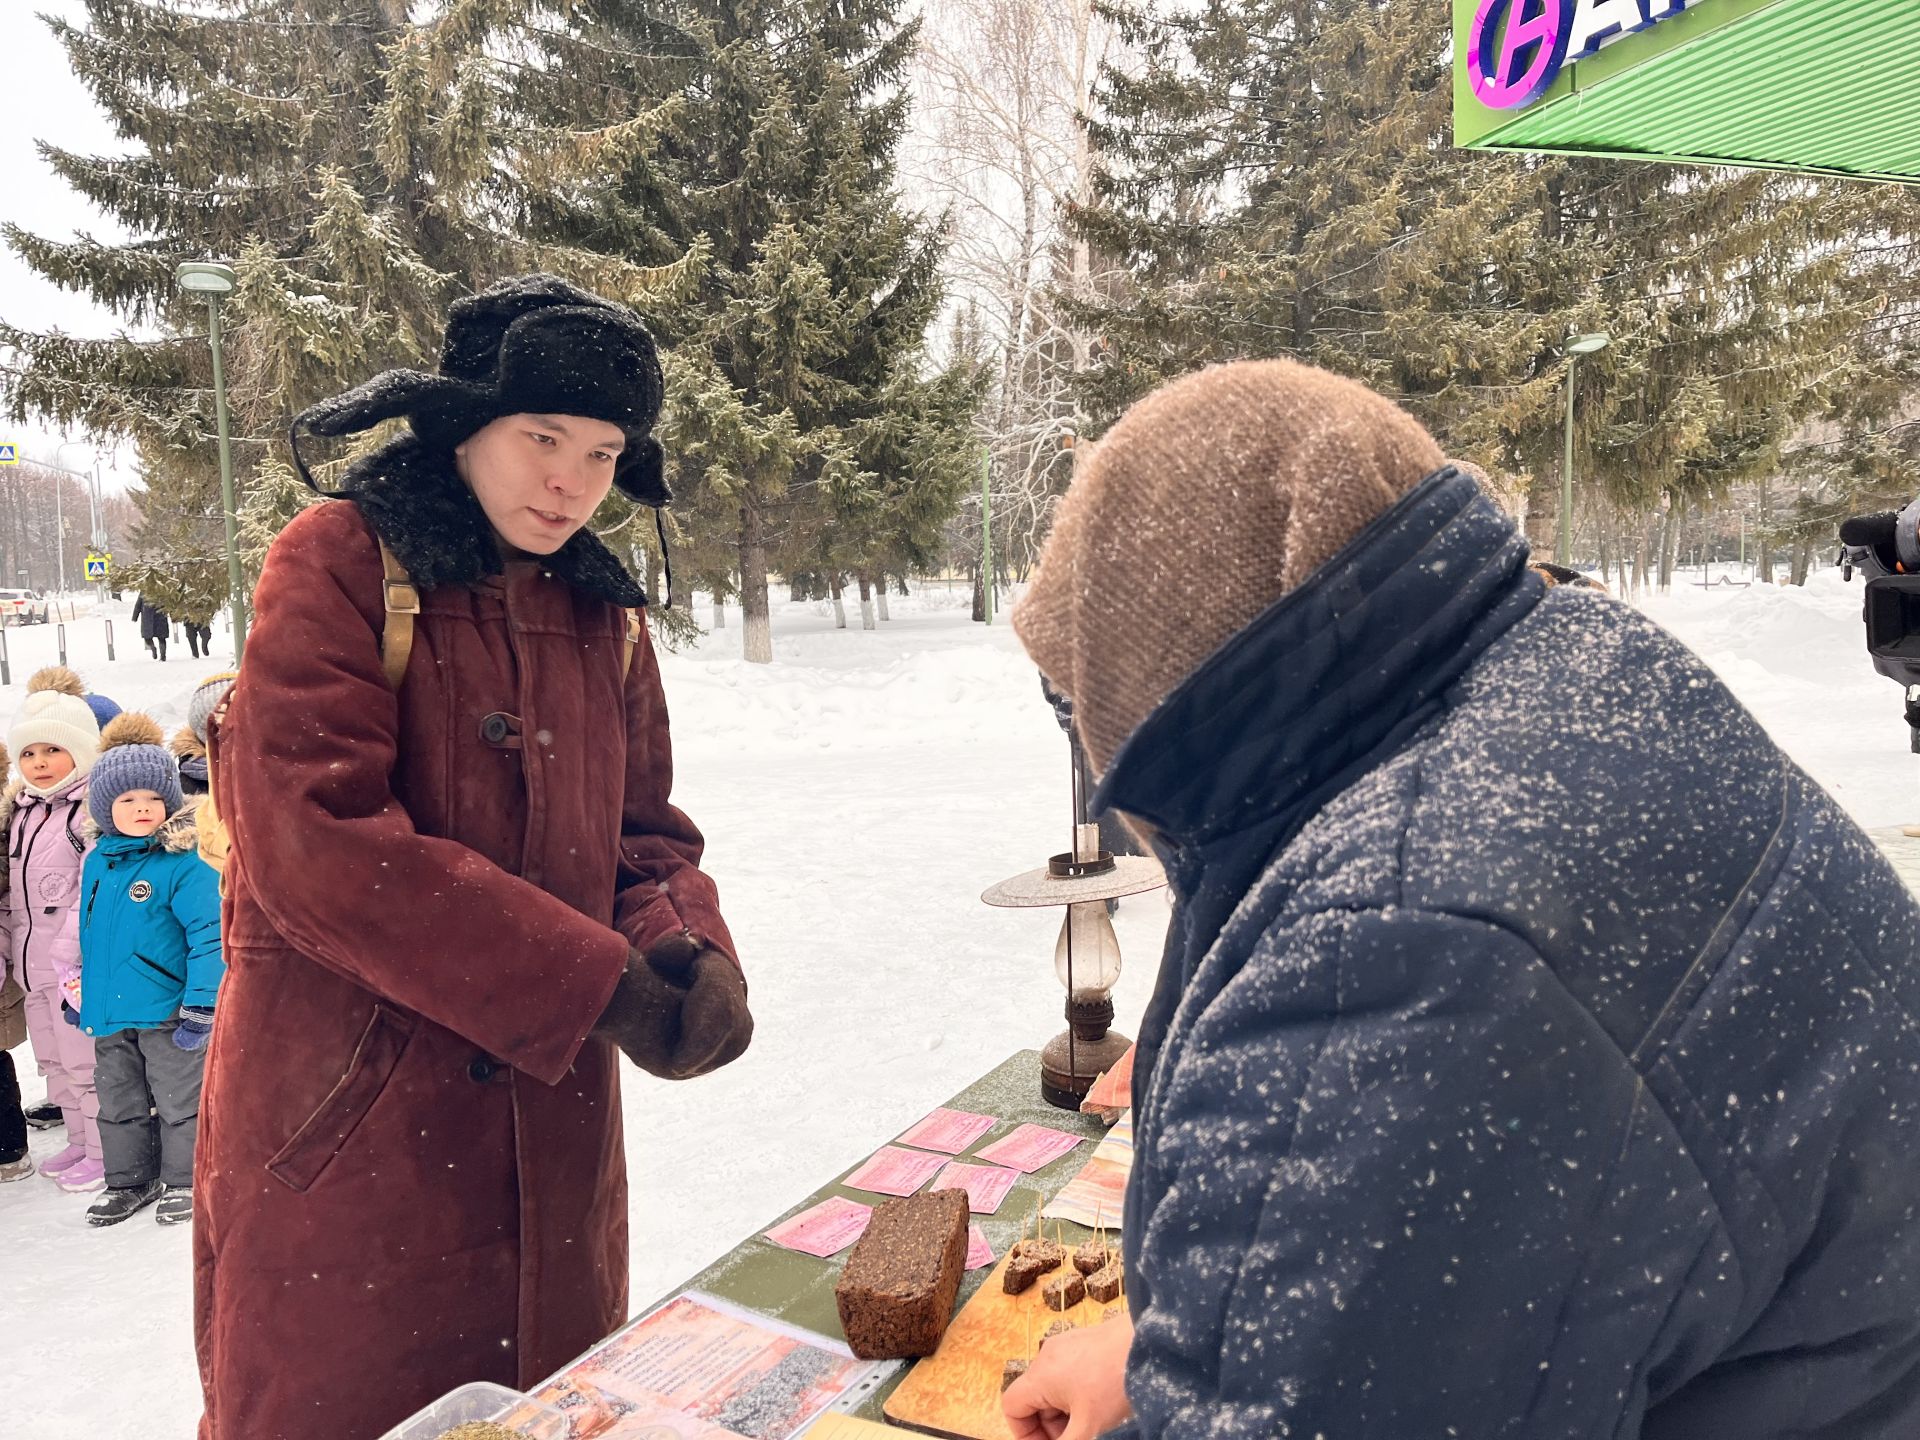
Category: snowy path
<point>857,795</point>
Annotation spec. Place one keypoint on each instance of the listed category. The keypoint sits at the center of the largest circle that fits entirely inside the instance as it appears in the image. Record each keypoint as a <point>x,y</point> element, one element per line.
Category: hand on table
<point>1076,1387</point>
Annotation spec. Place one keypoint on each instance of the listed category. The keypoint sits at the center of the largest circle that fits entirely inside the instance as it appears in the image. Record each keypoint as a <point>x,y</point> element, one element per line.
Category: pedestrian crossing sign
<point>98,566</point>
<point>9,452</point>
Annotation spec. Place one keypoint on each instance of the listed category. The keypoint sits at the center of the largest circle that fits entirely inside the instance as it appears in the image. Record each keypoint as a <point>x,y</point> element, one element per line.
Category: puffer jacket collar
<point>1324,686</point>
<point>177,834</point>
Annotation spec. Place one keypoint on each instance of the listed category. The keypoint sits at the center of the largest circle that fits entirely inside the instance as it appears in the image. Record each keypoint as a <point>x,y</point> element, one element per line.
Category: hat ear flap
<point>440,410</point>
<point>385,397</point>
<point>642,473</point>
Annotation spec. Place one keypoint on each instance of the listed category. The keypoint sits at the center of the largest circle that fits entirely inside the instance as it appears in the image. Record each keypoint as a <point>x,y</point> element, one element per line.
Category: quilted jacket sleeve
<point>196,905</point>
<point>1388,1163</point>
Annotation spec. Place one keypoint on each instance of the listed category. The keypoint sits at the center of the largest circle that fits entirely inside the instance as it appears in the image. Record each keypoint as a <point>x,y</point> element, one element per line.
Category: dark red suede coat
<point>410,1172</point>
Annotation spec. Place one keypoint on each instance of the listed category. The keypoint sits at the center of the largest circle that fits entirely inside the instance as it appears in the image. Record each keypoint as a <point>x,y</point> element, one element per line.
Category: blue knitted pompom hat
<point>133,756</point>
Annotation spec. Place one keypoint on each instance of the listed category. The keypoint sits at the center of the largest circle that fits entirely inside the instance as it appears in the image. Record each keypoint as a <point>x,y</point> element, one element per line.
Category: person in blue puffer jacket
<point>150,972</point>
<point>1536,1050</point>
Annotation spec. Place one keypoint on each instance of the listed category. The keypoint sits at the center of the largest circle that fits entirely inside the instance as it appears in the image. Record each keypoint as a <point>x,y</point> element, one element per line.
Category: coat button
<point>483,1070</point>
<point>498,727</point>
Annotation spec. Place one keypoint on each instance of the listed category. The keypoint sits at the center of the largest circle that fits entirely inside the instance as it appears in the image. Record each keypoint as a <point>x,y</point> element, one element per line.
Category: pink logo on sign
<point>1512,64</point>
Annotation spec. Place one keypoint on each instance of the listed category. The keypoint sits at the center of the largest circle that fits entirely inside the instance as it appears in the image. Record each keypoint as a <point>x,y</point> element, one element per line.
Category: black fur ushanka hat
<point>531,345</point>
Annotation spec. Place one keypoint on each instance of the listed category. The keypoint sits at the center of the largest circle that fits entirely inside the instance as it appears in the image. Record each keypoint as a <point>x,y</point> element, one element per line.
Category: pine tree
<point>760,161</point>
<point>347,159</point>
<point>915,446</point>
<point>1281,181</point>
<point>329,149</point>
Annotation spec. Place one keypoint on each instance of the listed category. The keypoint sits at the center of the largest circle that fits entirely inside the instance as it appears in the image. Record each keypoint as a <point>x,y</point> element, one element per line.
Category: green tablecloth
<point>798,1288</point>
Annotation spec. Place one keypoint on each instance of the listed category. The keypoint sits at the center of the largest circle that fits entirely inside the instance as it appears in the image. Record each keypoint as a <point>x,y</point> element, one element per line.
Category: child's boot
<point>123,1203</point>
<point>16,1169</point>
<point>176,1205</point>
<point>44,1116</point>
<point>82,1176</point>
<point>64,1161</point>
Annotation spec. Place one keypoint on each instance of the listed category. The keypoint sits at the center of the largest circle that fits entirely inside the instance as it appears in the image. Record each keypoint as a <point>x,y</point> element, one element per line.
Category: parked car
<point>23,607</point>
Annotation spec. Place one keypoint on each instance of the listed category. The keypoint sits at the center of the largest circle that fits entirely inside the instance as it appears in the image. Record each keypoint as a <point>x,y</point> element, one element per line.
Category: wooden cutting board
<point>955,1391</point>
<point>845,1427</point>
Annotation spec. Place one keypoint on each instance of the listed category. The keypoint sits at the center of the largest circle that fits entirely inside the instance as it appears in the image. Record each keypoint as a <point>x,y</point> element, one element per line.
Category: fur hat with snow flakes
<point>531,345</point>
<point>133,756</point>
<point>55,714</point>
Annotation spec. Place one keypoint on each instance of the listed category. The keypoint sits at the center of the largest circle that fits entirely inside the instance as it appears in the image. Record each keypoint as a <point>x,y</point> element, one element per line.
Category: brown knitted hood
<point>1209,500</point>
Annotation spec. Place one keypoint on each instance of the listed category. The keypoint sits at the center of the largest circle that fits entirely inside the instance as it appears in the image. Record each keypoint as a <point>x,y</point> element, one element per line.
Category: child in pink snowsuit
<point>54,740</point>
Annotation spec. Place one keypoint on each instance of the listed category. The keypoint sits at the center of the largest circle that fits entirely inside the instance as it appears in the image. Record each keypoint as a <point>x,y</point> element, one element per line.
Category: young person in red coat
<point>449,902</point>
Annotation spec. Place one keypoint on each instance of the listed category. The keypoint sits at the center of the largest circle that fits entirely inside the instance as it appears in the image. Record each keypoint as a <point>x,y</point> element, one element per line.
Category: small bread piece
<point>1105,1284</point>
<point>1063,1292</point>
<point>1013,1370</point>
<point>1052,1252</point>
<point>1114,1314</point>
<point>1090,1257</point>
<point>897,1291</point>
<point>1021,1273</point>
<point>1058,1327</point>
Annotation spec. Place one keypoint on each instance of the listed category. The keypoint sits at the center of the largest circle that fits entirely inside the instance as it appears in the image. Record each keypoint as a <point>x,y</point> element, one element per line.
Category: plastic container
<point>481,1401</point>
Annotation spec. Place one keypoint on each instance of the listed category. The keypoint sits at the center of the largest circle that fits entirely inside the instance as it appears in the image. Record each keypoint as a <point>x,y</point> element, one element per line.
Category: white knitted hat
<point>54,714</point>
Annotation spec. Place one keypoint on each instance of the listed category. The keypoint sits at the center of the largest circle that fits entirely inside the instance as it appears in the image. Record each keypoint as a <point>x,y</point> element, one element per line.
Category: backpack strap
<point>402,599</point>
<point>403,603</point>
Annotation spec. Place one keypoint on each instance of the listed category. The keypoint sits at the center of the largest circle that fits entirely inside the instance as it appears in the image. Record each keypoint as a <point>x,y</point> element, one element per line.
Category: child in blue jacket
<point>150,969</point>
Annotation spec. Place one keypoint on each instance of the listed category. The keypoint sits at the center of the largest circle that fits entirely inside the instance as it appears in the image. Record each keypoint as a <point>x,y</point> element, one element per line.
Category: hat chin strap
<point>300,461</point>
<point>666,556</point>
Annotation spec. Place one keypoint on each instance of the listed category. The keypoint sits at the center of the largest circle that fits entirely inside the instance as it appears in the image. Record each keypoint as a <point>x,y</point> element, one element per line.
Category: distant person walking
<point>155,625</point>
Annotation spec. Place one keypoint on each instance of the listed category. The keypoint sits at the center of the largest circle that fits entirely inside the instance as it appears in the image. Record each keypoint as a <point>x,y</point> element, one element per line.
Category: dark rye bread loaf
<point>896,1294</point>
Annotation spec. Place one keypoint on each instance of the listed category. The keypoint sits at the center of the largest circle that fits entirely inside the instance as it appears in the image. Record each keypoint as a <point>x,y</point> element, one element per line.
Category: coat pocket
<point>171,977</point>
<point>304,1158</point>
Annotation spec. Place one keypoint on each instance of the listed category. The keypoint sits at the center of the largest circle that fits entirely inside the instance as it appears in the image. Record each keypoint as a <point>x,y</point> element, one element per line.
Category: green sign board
<point>1824,86</point>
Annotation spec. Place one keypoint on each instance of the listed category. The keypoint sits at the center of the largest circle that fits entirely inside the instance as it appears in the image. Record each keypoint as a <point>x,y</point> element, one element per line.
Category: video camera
<point>1886,548</point>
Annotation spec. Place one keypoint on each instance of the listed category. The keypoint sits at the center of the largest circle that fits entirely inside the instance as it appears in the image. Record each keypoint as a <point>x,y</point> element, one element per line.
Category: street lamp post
<point>99,541</point>
<point>60,513</point>
<point>210,281</point>
<point>1577,345</point>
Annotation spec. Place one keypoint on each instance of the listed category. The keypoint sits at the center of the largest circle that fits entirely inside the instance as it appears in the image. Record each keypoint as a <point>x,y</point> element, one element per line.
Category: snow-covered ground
<point>857,795</point>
